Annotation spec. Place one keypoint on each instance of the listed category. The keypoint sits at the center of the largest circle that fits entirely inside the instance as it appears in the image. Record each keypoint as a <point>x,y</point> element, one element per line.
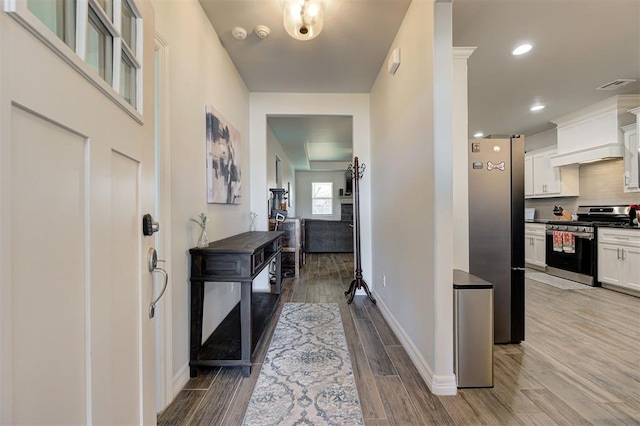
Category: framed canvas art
<point>223,159</point>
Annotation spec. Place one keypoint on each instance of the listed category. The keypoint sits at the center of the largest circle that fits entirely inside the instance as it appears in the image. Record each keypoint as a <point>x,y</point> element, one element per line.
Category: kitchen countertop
<point>620,227</point>
<point>560,222</point>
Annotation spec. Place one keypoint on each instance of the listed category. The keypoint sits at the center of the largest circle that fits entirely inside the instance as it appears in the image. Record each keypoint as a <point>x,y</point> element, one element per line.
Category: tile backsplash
<point>600,183</point>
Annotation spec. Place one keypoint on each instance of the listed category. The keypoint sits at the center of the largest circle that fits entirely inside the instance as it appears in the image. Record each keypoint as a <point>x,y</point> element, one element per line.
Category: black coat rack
<point>356,172</point>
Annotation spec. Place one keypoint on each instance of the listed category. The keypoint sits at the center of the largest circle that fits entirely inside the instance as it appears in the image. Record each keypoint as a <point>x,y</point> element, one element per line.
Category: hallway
<point>571,369</point>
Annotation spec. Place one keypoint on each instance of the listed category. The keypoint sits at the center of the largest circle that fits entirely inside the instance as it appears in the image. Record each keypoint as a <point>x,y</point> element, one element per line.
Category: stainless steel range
<point>571,245</point>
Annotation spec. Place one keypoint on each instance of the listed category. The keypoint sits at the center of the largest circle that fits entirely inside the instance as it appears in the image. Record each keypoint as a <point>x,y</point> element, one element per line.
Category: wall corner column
<point>444,382</point>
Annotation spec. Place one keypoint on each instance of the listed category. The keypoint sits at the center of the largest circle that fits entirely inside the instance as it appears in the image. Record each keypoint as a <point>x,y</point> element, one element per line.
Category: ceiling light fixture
<point>478,135</point>
<point>303,19</point>
<point>522,49</point>
<point>536,107</point>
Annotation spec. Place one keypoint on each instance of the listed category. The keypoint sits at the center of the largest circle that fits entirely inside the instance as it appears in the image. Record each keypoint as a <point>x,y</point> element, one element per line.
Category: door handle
<point>623,254</point>
<point>618,253</point>
<point>152,258</point>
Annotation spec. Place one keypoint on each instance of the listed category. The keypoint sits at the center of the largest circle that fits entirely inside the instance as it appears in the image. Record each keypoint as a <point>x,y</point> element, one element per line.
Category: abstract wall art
<point>223,159</point>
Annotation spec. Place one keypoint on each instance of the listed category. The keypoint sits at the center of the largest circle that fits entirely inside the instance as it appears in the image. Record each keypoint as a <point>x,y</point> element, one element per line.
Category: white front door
<point>77,171</point>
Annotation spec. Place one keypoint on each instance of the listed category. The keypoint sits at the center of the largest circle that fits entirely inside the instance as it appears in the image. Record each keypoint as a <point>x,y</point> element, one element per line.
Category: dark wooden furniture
<point>328,236</point>
<point>358,282</point>
<point>235,259</point>
<point>292,242</point>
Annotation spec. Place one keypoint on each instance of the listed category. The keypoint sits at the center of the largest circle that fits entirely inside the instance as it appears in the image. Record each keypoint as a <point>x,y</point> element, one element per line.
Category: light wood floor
<point>580,363</point>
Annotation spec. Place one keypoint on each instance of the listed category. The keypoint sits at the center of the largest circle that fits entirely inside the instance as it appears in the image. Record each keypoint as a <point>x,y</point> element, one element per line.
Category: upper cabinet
<point>632,154</point>
<point>631,166</point>
<point>542,180</point>
<point>593,133</point>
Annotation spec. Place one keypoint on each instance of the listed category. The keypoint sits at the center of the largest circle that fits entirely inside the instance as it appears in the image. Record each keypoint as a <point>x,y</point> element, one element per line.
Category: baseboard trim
<point>179,380</point>
<point>438,384</point>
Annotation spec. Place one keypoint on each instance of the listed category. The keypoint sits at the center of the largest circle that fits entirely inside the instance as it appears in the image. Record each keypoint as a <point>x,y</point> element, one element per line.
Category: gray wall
<point>304,180</point>
<point>274,148</point>
<point>412,272</point>
<point>214,81</point>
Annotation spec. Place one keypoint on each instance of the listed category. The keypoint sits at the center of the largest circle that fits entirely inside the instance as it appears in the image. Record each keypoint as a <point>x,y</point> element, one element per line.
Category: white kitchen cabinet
<point>593,133</point>
<point>542,180</point>
<point>534,245</point>
<point>528,175</point>
<point>631,170</point>
<point>632,154</point>
<point>619,259</point>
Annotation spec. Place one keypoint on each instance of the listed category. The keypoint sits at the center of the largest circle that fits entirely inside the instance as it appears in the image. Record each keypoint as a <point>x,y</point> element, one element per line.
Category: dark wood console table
<point>235,259</point>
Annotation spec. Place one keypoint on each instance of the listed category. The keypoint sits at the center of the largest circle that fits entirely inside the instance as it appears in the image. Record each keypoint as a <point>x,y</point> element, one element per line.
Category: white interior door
<point>77,344</point>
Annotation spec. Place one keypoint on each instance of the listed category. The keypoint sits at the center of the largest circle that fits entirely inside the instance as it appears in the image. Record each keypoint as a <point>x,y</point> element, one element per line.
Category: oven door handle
<point>583,235</point>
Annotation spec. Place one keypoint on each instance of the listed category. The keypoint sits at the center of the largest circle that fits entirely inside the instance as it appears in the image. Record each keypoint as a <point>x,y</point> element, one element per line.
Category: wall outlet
<point>384,280</point>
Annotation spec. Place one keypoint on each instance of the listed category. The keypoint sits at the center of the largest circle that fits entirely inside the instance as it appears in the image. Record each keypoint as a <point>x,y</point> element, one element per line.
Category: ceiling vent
<point>615,84</point>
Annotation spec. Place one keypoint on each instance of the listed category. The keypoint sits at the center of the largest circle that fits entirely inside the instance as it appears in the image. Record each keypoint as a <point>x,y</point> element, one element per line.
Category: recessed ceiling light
<point>522,49</point>
<point>478,135</point>
<point>536,107</point>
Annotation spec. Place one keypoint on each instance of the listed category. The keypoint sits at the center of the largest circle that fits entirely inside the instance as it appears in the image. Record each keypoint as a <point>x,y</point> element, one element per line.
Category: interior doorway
<point>309,147</point>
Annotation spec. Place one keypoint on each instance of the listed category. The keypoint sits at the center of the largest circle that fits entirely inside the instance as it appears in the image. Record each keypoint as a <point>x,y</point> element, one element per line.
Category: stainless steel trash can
<point>473,330</point>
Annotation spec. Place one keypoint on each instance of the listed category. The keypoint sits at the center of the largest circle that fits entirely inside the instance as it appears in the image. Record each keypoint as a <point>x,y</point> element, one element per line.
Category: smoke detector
<point>262,31</point>
<point>239,33</point>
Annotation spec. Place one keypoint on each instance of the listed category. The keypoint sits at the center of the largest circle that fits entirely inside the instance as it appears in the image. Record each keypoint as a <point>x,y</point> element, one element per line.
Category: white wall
<point>412,203</point>
<point>201,73</point>
<point>274,148</point>
<point>541,140</point>
<point>460,159</point>
<point>304,180</point>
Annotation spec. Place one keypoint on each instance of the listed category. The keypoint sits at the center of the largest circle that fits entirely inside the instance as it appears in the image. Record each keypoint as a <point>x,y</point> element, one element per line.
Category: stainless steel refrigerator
<point>496,228</point>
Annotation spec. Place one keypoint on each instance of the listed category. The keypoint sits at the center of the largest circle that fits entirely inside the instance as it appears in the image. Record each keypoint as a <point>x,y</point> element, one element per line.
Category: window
<point>128,26</point>
<point>128,81</point>
<point>99,48</point>
<point>59,16</point>
<point>107,6</point>
<point>104,34</point>
<point>322,198</point>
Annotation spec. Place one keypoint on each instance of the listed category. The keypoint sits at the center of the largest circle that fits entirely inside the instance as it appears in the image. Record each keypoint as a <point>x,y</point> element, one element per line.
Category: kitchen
<point>562,184</point>
<point>570,95</point>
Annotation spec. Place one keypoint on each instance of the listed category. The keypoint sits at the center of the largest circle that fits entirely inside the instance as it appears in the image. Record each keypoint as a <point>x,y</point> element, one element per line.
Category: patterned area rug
<point>306,377</point>
<point>557,281</point>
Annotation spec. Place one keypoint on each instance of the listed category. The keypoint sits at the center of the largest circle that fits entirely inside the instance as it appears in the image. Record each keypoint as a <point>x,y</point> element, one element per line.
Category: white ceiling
<point>579,45</point>
<point>314,139</point>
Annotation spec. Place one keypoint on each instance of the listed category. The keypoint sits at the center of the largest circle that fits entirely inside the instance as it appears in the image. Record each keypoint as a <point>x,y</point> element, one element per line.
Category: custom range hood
<point>593,133</point>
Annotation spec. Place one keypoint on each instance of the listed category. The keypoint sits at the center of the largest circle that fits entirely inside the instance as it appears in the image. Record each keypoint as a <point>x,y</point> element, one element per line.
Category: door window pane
<point>99,48</point>
<point>59,16</point>
<point>107,6</point>
<point>128,26</point>
<point>128,81</point>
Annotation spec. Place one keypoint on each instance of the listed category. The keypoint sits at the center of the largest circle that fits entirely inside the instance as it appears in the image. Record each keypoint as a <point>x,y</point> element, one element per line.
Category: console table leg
<point>197,299</point>
<point>245,324</point>
<point>278,272</point>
